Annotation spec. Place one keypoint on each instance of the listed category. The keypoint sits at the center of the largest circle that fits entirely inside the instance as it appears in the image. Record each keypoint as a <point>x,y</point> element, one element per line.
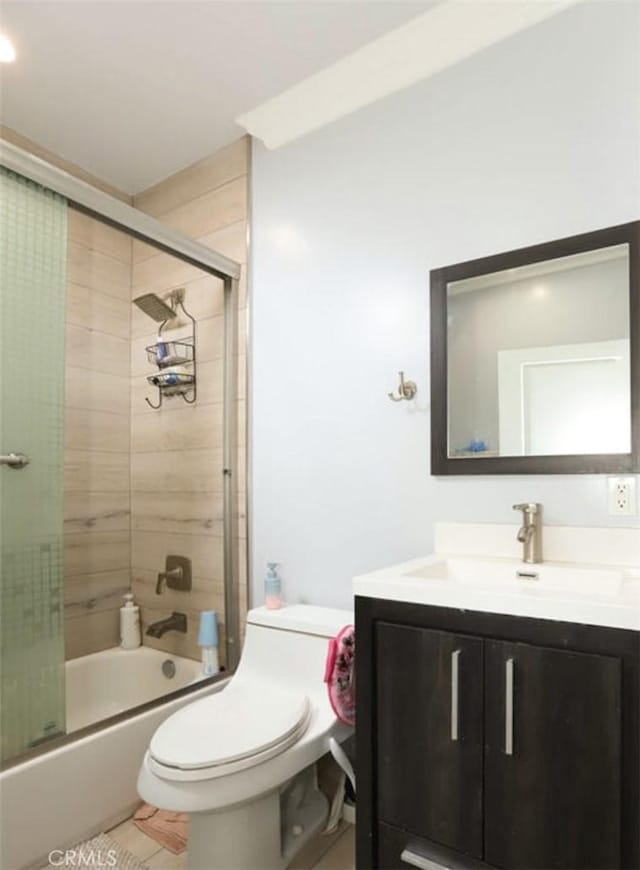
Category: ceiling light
<point>7,51</point>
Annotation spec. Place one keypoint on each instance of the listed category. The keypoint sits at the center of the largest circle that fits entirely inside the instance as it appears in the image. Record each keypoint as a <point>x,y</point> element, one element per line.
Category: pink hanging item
<point>340,674</point>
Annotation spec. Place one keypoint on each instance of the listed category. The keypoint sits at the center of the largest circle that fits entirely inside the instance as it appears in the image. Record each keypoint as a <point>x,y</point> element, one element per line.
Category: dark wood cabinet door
<point>552,758</point>
<point>429,743</point>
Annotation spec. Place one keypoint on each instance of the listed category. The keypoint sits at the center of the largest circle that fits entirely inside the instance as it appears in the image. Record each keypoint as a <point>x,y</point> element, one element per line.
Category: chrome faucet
<point>530,532</point>
<point>175,622</point>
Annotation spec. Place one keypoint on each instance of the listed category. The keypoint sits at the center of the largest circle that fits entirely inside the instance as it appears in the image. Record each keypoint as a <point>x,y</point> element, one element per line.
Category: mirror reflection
<point>538,358</point>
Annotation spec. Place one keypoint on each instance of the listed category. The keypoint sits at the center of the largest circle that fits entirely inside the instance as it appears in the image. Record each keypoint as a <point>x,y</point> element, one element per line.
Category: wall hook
<point>406,390</point>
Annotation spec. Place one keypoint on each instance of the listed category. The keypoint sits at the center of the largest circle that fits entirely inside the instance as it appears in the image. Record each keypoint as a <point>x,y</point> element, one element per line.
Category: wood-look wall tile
<point>91,233</point>
<point>91,633</point>
<point>161,273</point>
<point>95,471</point>
<point>210,339</point>
<point>205,594</point>
<point>90,552</point>
<point>164,272</point>
<point>96,351</point>
<point>96,391</point>
<point>96,511</point>
<point>192,428</point>
<point>89,430</point>
<point>204,214</point>
<point>99,311</point>
<point>193,513</point>
<point>177,471</point>
<point>230,241</point>
<point>98,271</point>
<point>149,551</point>
<point>90,593</point>
<point>207,174</point>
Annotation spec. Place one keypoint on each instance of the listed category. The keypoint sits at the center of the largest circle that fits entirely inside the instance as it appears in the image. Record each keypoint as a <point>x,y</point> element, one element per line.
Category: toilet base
<point>265,833</point>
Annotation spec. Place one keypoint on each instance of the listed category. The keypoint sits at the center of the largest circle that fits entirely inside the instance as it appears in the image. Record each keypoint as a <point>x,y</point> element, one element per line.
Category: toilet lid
<point>231,727</point>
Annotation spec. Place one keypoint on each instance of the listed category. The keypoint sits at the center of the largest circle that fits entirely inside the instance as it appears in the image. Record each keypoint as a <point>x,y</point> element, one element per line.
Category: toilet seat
<point>245,724</point>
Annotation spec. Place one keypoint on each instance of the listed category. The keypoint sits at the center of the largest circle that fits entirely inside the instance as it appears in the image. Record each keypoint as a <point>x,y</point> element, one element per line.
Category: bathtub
<point>82,787</point>
<point>104,684</point>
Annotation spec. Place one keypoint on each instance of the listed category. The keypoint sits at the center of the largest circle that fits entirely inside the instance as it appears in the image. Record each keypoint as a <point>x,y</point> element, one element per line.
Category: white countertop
<point>605,595</point>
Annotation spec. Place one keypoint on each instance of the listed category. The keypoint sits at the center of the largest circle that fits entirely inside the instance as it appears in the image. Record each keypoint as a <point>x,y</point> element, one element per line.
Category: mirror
<point>535,358</point>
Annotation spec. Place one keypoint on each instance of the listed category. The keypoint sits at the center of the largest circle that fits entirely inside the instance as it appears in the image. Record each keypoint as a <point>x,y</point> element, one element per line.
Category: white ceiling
<point>134,91</point>
<point>447,33</point>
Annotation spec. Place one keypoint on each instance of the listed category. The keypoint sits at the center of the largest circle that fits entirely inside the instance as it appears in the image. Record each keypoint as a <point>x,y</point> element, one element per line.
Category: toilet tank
<point>289,646</point>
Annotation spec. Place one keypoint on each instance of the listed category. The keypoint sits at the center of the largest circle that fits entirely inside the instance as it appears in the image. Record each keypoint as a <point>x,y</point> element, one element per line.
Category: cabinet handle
<point>508,707</point>
<point>416,860</point>
<point>455,691</point>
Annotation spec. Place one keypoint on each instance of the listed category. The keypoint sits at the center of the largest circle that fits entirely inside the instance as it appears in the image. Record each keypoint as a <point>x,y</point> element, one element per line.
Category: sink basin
<point>511,575</point>
<point>603,594</point>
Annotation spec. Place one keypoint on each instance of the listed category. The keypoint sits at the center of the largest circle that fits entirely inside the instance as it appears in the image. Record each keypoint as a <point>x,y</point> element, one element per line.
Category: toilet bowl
<point>241,762</point>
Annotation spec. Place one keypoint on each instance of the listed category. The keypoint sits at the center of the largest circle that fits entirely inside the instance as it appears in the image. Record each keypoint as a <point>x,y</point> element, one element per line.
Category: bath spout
<point>175,622</point>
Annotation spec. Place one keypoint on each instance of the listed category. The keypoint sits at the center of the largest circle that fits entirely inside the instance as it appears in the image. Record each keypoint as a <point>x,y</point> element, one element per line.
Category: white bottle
<point>129,623</point>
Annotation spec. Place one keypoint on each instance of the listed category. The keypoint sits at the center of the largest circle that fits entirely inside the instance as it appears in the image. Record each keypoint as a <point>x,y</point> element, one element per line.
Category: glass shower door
<point>33,251</point>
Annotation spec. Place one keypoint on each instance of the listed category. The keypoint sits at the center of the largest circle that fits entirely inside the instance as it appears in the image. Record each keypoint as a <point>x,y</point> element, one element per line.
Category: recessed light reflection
<point>7,51</point>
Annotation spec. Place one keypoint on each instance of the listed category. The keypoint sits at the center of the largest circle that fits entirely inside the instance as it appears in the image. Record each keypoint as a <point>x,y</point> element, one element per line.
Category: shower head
<point>154,307</point>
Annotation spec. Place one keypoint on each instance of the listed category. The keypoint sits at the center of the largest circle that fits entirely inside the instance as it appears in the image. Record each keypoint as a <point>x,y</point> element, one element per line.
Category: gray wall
<point>578,305</point>
<point>533,139</point>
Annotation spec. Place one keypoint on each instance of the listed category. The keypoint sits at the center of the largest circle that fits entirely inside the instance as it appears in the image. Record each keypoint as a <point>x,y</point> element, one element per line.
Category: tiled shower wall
<point>97,421</point>
<point>176,452</point>
<point>141,484</point>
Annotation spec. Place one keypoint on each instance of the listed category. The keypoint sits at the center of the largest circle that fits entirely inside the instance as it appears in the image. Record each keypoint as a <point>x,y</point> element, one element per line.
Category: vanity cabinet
<point>494,741</point>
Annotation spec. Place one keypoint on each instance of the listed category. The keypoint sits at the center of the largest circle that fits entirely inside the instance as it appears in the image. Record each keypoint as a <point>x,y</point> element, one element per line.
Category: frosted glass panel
<point>33,243</point>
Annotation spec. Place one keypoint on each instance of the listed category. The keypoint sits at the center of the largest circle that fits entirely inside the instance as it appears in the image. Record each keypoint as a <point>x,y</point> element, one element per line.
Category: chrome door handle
<point>455,692</point>
<point>14,460</point>
<point>508,707</point>
<point>415,860</point>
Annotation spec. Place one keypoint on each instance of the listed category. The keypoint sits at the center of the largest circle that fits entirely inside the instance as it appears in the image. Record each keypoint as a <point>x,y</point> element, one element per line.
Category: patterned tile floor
<point>323,853</point>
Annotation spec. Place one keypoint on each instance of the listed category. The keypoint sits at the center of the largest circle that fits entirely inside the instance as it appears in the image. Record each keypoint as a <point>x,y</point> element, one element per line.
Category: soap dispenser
<point>272,587</point>
<point>130,623</point>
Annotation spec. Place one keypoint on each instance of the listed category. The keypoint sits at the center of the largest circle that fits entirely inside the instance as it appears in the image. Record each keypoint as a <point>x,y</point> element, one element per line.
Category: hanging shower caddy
<point>167,354</point>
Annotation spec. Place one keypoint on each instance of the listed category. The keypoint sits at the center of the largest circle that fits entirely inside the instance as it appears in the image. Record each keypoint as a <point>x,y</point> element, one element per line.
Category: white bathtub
<point>74,791</point>
<point>107,683</point>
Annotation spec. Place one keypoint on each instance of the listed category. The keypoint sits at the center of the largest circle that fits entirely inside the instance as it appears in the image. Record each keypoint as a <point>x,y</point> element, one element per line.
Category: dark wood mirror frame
<point>610,463</point>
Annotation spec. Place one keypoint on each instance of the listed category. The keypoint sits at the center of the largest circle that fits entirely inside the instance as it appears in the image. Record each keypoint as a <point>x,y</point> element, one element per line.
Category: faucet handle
<point>531,507</point>
<point>176,573</point>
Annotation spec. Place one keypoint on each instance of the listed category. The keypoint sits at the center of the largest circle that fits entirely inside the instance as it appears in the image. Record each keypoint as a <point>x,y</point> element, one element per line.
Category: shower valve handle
<point>174,573</point>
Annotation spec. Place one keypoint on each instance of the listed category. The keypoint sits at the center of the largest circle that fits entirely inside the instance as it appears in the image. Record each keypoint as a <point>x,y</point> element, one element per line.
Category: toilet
<point>241,761</point>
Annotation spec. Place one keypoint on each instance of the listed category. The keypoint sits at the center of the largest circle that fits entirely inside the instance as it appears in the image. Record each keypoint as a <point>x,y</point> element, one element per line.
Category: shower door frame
<point>97,204</point>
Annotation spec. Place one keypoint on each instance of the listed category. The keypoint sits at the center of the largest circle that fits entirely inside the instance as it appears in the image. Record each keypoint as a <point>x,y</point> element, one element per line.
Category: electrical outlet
<point>622,496</point>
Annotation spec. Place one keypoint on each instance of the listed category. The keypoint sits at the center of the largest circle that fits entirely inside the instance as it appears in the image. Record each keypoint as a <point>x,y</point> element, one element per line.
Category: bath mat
<point>168,829</point>
<point>101,851</point>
